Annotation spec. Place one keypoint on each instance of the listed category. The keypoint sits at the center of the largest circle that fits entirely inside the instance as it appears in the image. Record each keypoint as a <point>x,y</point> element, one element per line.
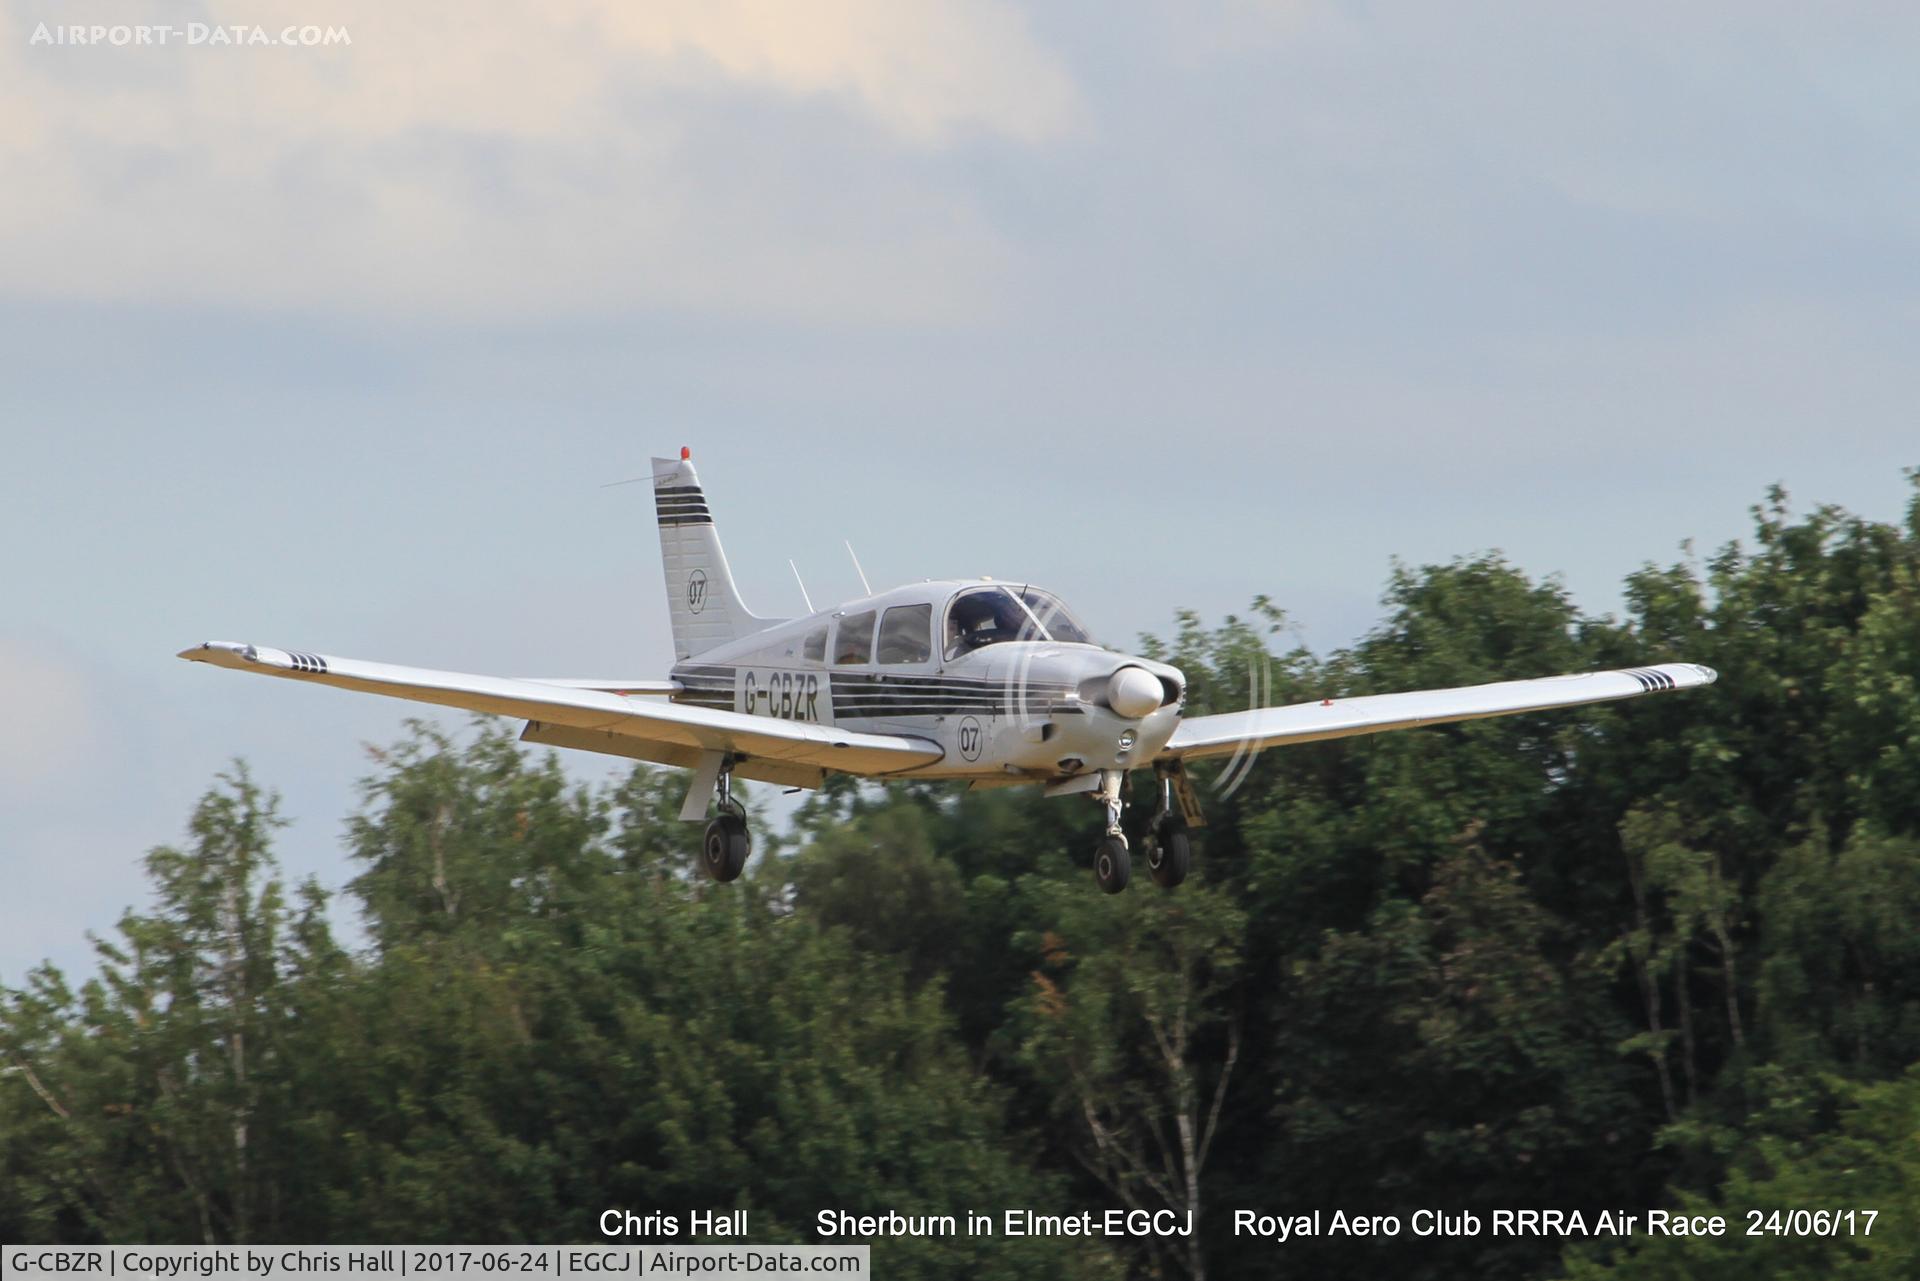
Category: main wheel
<point>1112,865</point>
<point>1170,853</point>
<point>724,852</point>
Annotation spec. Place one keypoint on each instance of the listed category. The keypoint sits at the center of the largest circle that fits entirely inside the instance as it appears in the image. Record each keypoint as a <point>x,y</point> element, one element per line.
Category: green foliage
<point>1839,983</point>
<point>157,1086</point>
<point>1867,1160</point>
<point>1128,1020</point>
<point>553,1018</point>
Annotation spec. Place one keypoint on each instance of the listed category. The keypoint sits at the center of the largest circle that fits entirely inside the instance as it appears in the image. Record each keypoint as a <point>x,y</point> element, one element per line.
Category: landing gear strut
<point>1112,864</point>
<point>727,844</point>
<point>1169,847</point>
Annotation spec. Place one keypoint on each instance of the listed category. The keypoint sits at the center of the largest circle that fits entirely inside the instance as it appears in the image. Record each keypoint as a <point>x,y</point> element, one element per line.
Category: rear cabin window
<point>906,635</point>
<point>815,648</point>
<point>853,639</point>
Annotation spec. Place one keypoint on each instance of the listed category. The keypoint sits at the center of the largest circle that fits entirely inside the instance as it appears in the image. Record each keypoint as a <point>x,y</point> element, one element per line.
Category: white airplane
<point>976,679</point>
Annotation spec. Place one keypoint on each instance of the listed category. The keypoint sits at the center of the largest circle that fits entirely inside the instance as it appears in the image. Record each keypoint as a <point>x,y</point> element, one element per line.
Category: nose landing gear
<point>1112,863</point>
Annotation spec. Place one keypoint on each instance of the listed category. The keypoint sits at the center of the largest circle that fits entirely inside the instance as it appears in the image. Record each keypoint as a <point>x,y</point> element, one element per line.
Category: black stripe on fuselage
<point>879,696</point>
<point>893,695</point>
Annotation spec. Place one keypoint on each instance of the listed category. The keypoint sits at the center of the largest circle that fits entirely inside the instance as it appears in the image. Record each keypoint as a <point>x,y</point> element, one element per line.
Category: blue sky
<point>1160,305</point>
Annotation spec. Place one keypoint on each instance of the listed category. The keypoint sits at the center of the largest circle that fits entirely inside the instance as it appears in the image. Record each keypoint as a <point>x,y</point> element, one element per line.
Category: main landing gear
<point>727,844</point>
<point>1169,852</point>
<point>1168,845</point>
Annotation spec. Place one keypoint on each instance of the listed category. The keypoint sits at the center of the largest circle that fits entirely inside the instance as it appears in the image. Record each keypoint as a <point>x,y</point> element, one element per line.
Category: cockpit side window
<point>984,616</point>
<point>988,615</point>
<point>906,635</point>
<point>853,638</point>
<point>815,648</point>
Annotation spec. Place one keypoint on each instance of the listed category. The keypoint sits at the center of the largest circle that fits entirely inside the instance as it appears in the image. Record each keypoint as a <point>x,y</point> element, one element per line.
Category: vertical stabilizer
<point>701,599</point>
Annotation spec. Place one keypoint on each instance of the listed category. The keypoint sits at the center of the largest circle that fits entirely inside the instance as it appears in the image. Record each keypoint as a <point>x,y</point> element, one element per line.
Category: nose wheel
<point>1112,862</point>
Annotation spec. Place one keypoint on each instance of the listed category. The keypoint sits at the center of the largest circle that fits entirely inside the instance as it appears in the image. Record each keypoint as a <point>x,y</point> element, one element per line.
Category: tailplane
<point>705,607</point>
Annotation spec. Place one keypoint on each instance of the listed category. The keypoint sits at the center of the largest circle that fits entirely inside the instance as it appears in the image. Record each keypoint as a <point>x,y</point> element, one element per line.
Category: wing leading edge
<point>597,719</point>
<point>1231,732</point>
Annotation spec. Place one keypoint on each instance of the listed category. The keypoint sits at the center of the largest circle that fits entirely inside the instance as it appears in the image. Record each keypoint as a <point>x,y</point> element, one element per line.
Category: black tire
<point>1170,853</point>
<point>1112,865</point>
<point>726,847</point>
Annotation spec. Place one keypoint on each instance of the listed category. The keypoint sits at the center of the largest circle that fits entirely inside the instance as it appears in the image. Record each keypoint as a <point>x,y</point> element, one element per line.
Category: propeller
<point>1239,766</point>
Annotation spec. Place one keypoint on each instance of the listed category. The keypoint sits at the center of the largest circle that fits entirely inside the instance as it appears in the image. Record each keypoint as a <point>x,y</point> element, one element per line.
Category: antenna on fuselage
<point>803,584</point>
<point>865,586</point>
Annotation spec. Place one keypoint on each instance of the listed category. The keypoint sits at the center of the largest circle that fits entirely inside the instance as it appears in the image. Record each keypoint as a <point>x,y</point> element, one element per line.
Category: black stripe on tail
<point>681,505</point>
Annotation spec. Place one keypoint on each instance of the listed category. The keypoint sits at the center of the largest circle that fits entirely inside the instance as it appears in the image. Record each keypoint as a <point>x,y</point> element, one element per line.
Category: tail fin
<point>704,604</point>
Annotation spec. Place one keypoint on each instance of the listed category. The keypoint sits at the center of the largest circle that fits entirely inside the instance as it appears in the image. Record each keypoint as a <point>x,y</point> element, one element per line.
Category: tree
<point>1800,1158</point>
<point>1129,1028</point>
<point>164,1076</point>
<point>1444,1057</point>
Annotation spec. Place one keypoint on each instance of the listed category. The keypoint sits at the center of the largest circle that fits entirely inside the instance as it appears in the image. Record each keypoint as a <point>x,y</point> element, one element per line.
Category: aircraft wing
<point>596,719</point>
<point>1231,732</point>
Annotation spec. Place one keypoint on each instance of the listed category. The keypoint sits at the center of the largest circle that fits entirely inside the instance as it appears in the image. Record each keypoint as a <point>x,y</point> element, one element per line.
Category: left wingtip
<point>215,651</point>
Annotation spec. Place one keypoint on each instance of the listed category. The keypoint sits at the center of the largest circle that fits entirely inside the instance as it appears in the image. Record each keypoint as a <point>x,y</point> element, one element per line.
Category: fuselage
<point>999,676</point>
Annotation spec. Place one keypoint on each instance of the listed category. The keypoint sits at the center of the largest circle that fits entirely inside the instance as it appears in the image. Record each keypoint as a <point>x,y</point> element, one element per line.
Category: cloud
<point>926,68</point>
<point>572,155</point>
<point>51,719</point>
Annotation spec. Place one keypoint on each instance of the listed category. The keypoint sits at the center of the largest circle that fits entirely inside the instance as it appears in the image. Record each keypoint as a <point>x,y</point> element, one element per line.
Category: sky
<point>334,346</point>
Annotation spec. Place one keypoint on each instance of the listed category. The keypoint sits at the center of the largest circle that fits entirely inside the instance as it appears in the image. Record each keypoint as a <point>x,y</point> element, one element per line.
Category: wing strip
<point>1232,732</point>
<point>648,722</point>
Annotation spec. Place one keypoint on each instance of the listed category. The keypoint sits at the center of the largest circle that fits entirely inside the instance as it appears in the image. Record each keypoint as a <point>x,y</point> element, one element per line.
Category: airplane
<point>993,682</point>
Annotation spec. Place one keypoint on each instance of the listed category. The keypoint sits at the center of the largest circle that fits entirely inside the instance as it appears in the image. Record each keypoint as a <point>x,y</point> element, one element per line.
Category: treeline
<point>1665,953</point>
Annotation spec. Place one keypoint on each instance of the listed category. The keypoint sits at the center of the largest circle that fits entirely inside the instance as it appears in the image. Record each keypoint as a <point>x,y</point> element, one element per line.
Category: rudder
<point>702,601</point>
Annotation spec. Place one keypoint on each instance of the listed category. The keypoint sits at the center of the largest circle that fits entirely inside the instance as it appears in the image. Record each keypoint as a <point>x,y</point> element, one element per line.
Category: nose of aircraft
<point>1133,692</point>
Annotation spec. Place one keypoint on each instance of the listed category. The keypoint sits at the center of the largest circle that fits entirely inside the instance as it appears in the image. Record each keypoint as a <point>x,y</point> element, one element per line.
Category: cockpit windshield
<point>988,615</point>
